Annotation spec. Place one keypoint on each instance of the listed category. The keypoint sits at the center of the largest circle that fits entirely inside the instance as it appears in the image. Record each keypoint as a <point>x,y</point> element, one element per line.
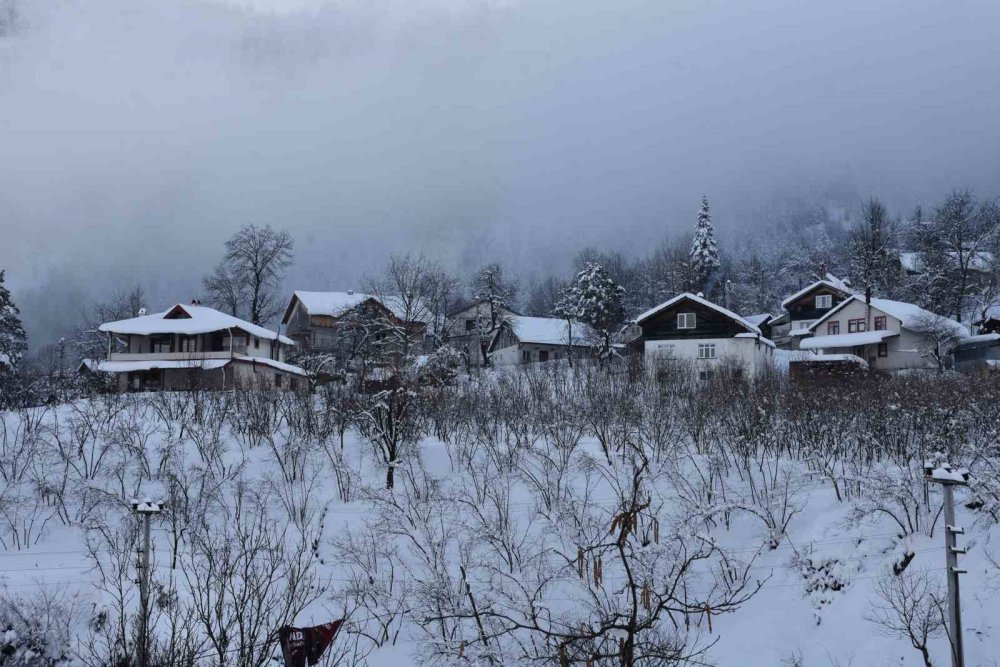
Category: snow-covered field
<point>533,517</point>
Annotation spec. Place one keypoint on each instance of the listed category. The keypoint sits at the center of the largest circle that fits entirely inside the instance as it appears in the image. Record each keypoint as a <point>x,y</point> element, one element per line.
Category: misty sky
<point>136,135</point>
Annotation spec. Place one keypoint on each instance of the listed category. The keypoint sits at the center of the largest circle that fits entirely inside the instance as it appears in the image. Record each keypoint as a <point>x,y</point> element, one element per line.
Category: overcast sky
<point>136,135</point>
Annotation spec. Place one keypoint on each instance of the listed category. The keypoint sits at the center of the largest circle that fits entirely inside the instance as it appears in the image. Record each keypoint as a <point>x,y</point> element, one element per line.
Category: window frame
<point>880,323</point>
<point>833,328</point>
<point>827,299</point>
<point>525,356</point>
<point>883,350</point>
<point>703,348</point>
<point>684,318</point>
<point>857,325</point>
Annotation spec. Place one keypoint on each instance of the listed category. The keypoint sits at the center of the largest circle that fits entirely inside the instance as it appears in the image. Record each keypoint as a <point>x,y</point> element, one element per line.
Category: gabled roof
<point>701,301</point>
<point>910,315</point>
<point>547,330</point>
<point>189,320</point>
<point>335,304</point>
<point>332,304</point>
<point>830,281</point>
<point>759,319</point>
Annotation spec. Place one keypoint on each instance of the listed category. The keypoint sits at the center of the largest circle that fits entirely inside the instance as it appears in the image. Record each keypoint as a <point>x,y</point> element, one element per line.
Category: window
<point>856,326</point>
<point>824,301</point>
<point>525,356</point>
<point>161,343</point>
<point>665,352</point>
<point>880,323</point>
<point>543,355</point>
<point>705,375</point>
<point>706,350</point>
<point>883,350</point>
<point>188,343</point>
<point>256,343</point>
<point>470,325</point>
<point>832,328</point>
<point>277,380</point>
<point>293,384</point>
<point>685,320</point>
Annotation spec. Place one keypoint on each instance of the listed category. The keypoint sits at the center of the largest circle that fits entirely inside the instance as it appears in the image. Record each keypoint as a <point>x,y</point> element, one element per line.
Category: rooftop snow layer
<point>332,304</point>
<point>201,319</point>
<point>830,281</point>
<point>547,330</point>
<point>704,302</point>
<point>846,340</point>
<point>151,364</point>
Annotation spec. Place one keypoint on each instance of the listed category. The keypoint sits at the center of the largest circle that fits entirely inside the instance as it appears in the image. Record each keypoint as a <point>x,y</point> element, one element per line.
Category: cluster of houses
<point>824,328</point>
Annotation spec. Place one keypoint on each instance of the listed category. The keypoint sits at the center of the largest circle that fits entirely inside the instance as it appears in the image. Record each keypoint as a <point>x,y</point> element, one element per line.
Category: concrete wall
<point>514,354</point>
<point>754,356</point>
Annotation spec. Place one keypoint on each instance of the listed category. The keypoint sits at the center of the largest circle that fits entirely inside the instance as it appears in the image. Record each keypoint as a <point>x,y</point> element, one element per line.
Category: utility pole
<point>145,509</point>
<point>949,477</point>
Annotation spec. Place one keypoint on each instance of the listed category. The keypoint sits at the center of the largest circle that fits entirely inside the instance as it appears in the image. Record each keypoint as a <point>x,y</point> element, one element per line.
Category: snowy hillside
<point>535,517</point>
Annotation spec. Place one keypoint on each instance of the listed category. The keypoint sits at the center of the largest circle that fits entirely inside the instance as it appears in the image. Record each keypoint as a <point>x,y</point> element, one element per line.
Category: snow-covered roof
<point>702,301</point>
<point>758,319</point>
<point>332,304</point>
<point>974,342</point>
<point>189,320</point>
<point>335,304</point>
<point>279,365</point>
<point>980,260</point>
<point>151,364</point>
<point>846,340</point>
<point>910,315</point>
<point>185,364</point>
<point>547,330</point>
<point>831,281</point>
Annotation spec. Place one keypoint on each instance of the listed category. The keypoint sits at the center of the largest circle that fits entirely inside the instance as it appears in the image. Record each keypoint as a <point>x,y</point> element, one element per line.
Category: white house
<point>690,328</point>
<point>889,336</point>
<point>525,340</point>
<point>193,345</point>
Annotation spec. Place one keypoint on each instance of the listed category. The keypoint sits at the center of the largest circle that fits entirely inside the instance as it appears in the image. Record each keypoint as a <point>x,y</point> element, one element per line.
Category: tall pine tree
<point>596,300</point>
<point>704,255</point>
<point>13,340</point>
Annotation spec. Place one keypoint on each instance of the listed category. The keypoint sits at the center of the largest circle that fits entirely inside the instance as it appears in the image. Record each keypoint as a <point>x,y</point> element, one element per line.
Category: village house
<point>315,320</point>
<point>470,329</point>
<point>525,340</point>
<point>977,353</point>
<point>690,329</point>
<point>805,307</point>
<point>888,335</point>
<point>192,345</point>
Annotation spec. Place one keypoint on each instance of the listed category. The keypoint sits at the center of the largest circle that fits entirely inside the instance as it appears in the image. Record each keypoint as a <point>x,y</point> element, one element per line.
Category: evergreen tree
<point>704,253</point>
<point>13,340</point>
<point>597,301</point>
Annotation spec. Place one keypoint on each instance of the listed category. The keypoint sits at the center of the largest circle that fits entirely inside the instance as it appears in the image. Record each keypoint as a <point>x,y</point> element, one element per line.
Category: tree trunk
<point>389,476</point>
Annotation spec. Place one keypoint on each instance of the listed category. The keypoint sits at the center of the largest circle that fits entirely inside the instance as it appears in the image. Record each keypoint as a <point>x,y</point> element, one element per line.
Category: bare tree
<point>247,280</point>
<point>909,606</point>
<point>872,239</point>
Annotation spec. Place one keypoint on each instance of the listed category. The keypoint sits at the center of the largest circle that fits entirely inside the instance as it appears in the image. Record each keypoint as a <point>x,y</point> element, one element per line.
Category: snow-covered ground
<point>507,481</point>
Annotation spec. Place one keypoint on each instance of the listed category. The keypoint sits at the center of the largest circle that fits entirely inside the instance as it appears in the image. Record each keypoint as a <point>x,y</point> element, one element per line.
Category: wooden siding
<point>709,323</point>
<point>804,308</point>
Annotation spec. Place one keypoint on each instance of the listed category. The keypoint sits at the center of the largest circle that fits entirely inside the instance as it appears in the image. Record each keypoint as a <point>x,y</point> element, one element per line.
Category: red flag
<point>302,646</point>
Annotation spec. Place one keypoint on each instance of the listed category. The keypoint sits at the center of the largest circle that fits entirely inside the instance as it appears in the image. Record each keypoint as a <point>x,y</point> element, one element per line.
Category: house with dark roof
<point>805,307</point>
<point>314,319</point>
<point>690,329</point>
